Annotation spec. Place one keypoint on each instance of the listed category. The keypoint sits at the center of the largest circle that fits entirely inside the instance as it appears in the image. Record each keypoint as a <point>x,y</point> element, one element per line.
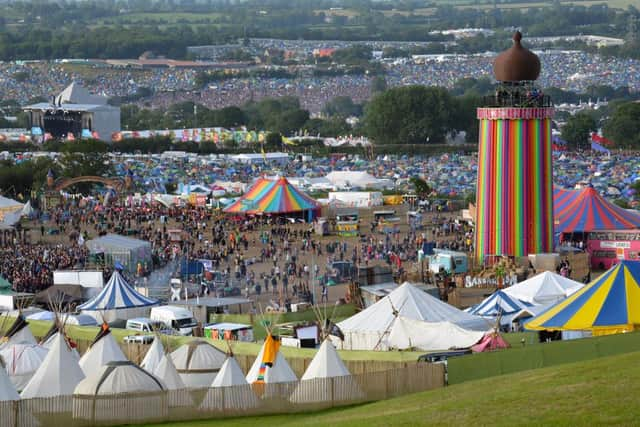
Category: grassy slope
<point>602,391</point>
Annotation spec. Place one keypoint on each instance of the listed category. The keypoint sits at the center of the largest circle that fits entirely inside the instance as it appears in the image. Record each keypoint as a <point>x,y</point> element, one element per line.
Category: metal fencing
<point>242,400</point>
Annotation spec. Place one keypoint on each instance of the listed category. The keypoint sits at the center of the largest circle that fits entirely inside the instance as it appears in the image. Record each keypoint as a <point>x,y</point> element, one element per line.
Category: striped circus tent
<point>585,210</point>
<point>608,305</point>
<point>499,303</point>
<point>118,300</point>
<point>274,197</point>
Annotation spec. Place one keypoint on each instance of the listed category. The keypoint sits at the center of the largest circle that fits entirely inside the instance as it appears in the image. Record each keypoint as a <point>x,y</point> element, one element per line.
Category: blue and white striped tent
<point>117,294</point>
<point>498,304</point>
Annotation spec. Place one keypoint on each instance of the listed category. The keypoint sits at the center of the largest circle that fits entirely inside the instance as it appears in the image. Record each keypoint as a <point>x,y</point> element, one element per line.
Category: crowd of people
<point>29,267</point>
<point>262,257</point>
<point>569,70</point>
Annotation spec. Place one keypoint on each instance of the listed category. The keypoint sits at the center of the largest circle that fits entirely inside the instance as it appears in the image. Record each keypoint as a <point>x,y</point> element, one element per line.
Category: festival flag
<point>288,141</point>
<point>601,140</point>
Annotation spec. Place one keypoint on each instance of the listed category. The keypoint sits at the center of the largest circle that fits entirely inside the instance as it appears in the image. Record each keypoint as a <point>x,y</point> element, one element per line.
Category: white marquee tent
<point>369,329</point>
<point>430,336</point>
<point>354,179</point>
<point>544,288</point>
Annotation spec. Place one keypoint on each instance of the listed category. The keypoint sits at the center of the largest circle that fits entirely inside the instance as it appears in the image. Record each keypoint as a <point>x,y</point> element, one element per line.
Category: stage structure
<point>74,114</point>
<point>514,195</point>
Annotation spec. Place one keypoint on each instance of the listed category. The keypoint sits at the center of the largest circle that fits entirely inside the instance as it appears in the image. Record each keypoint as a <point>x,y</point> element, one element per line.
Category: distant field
<point>616,4</point>
<point>597,392</point>
<point>483,4</point>
<point>166,16</point>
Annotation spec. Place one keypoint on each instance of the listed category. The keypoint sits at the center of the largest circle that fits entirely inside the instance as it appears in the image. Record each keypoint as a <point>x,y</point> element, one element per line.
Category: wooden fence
<point>244,400</point>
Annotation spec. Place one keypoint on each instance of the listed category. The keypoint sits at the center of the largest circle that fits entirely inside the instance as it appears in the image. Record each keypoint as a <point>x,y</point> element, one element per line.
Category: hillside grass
<point>596,392</point>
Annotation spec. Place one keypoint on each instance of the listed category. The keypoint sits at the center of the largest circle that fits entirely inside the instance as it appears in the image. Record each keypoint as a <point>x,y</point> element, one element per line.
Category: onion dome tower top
<point>517,63</point>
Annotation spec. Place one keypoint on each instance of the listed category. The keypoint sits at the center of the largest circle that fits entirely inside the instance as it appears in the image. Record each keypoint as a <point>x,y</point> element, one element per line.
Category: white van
<point>142,324</point>
<point>177,318</point>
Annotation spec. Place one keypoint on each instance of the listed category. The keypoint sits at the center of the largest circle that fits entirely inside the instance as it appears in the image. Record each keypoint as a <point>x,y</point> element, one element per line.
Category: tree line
<point>118,29</point>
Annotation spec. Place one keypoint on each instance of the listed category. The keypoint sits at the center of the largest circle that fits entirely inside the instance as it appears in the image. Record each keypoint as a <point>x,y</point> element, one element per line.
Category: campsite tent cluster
<point>103,379</point>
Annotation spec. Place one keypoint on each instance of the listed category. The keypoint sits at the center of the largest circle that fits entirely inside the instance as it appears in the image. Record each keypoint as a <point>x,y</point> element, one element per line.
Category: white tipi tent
<point>154,355</point>
<point>280,372</point>
<point>8,395</point>
<point>137,395</point>
<point>230,390</point>
<point>58,375</point>
<point>197,362</point>
<point>22,361</point>
<point>544,288</point>
<point>103,349</point>
<point>168,374</point>
<point>7,390</point>
<point>368,329</point>
<point>327,379</point>
<point>19,333</point>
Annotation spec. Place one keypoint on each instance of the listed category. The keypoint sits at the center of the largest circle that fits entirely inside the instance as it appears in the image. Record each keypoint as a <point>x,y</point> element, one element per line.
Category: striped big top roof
<point>117,294</point>
<point>276,197</point>
<point>610,303</point>
<point>585,210</point>
<point>498,303</point>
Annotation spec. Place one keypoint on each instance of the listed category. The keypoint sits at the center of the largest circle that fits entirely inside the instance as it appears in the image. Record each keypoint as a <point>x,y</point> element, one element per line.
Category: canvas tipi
<point>22,361</point>
<point>18,333</point>
<point>154,355</point>
<point>168,374</point>
<point>8,395</point>
<point>59,373</point>
<point>7,389</point>
<point>270,366</point>
<point>230,390</point>
<point>103,349</point>
<point>327,379</point>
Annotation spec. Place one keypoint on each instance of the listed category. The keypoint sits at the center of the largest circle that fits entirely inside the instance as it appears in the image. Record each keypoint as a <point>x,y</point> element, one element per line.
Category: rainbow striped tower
<point>514,197</point>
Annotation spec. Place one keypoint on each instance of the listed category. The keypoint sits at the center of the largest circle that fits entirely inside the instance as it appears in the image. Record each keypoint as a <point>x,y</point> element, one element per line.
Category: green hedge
<point>483,365</point>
